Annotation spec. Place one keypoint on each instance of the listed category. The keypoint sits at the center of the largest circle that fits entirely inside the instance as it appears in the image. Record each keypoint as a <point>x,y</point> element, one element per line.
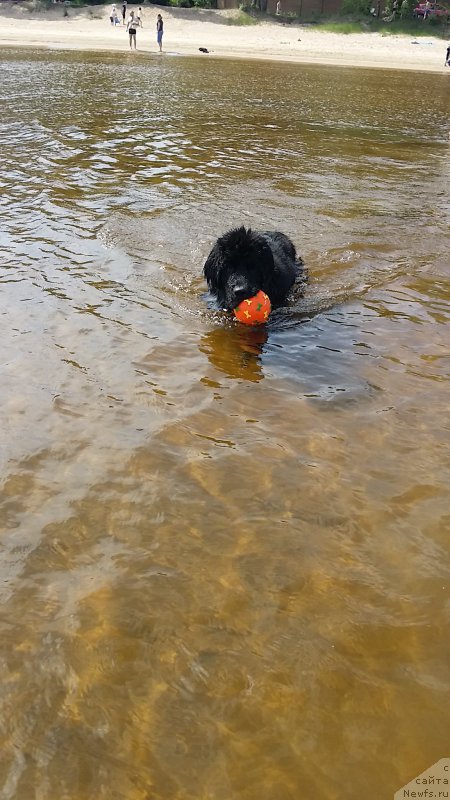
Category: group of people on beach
<point>134,22</point>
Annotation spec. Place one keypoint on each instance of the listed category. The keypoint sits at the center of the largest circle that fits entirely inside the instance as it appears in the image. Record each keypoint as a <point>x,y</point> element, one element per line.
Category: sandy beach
<point>186,30</point>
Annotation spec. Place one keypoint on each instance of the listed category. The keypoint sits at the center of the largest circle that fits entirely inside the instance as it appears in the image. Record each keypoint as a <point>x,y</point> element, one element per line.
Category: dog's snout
<point>239,288</point>
<point>239,294</point>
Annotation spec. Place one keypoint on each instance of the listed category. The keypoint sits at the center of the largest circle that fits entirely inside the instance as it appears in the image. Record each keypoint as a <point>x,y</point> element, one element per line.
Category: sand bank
<point>186,30</point>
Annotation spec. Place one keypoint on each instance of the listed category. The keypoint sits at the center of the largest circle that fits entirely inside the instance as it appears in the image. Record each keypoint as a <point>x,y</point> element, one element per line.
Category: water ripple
<point>224,550</point>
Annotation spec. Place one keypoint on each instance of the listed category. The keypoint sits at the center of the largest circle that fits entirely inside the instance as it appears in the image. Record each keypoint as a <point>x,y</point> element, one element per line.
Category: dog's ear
<point>211,268</point>
<point>263,254</point>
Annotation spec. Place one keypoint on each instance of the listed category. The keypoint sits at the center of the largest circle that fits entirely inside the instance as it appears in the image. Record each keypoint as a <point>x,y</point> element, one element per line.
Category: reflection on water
<point>224,564</point>
<point>236,351</point>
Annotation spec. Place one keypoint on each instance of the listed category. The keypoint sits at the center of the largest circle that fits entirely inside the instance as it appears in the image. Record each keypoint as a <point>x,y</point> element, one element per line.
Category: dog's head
<point>237,266</point>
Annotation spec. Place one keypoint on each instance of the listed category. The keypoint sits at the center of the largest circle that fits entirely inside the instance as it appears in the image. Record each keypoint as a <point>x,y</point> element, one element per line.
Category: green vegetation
<point>173,3</point>
<point>243,18</point>
<point>356,7</point>
<point>355,16</point>
<point>408,27</point>
<point>37,5</point>
<point>185,3</point>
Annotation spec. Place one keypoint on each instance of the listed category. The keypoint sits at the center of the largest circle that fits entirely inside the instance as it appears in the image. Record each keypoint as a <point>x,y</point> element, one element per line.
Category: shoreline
<point>89,29</point>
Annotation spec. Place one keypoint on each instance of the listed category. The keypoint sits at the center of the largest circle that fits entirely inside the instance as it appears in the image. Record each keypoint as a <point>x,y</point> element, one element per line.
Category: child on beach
<point>159,31</point>
<point>139,17</point>
<point>113,16</point>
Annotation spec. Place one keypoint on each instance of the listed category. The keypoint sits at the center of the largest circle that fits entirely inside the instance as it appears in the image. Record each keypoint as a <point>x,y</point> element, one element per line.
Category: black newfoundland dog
<point>244,261</point>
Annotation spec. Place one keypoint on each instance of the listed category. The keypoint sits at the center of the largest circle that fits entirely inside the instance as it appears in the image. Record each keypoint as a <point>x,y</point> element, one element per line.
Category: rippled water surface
<point>224,569</point>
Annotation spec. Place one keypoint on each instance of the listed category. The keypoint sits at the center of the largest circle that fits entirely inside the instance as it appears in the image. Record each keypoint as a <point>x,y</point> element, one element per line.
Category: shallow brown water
<point>224,570</point>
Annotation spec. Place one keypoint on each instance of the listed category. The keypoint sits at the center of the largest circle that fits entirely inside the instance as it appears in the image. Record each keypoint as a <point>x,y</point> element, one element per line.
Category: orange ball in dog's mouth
<point>254,310</point>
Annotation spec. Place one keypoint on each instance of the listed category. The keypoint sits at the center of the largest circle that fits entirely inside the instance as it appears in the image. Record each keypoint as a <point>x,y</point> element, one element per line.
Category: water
<point>224,566</point>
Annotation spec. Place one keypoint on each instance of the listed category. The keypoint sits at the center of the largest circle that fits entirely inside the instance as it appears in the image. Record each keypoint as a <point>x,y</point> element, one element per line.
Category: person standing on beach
<point>124,10</point>
<point>139,17</point>
<point>159,31</point>
<point>131,28</point>
<point>447,57</point>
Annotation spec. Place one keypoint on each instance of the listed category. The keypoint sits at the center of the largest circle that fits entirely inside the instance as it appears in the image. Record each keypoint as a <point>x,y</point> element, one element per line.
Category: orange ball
<point>255,310</point>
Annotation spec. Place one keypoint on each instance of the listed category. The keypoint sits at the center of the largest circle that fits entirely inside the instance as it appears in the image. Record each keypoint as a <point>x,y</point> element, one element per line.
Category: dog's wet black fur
<point>243,261</point>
